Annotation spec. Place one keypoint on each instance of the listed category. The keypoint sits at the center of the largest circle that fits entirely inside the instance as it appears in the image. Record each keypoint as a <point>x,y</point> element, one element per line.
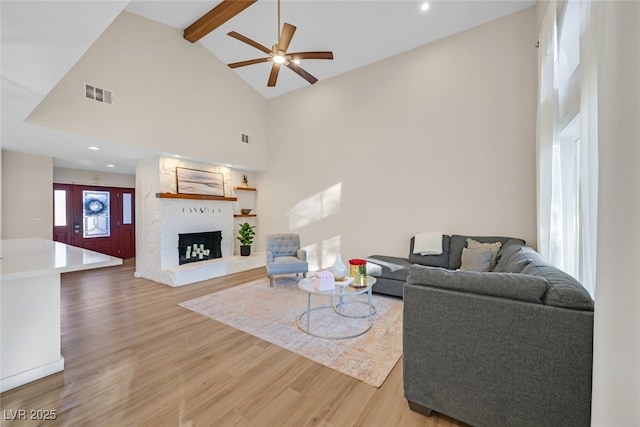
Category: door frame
<point>120,243</point>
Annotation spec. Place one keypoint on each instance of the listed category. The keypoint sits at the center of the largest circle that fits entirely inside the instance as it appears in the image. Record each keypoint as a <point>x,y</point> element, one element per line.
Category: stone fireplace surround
<point>159,221</point>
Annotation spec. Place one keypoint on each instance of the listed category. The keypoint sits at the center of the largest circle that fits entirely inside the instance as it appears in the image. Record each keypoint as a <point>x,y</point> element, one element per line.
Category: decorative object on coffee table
<point>358,270</point>
<point>245,236</point>
<point>338,269</point>
<point>324,281</point>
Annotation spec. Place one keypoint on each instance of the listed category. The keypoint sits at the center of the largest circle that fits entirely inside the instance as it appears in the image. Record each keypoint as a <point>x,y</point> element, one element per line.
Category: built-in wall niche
<point>194,247</point>
<point>246,205</point>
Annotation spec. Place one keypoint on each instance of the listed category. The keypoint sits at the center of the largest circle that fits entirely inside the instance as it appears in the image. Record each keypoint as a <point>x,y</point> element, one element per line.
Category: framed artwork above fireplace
<point>194,181</point>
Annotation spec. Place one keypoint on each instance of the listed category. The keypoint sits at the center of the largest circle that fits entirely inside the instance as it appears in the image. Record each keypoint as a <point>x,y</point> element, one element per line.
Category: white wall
<point>616,373</point>
<point>27,195</point>
<point>439,138</point>
<point>169,94</point>
<point>1,200</point>
<point>85,177</point>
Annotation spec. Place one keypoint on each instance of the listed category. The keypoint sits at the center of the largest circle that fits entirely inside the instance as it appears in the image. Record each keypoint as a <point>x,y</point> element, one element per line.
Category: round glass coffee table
<point>340,292</point>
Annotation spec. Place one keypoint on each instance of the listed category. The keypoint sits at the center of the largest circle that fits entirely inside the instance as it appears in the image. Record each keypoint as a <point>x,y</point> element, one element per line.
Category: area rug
<point>270,313</point>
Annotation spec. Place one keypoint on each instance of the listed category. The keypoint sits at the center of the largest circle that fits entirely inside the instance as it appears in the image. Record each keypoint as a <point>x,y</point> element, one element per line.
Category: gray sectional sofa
<point>510,347</point>
<point>391,272</point>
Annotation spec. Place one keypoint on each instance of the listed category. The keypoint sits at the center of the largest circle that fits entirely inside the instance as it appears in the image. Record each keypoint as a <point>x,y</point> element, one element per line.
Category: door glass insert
<point>96,213</point>
<point>126,208</point>
<point>60,208</point>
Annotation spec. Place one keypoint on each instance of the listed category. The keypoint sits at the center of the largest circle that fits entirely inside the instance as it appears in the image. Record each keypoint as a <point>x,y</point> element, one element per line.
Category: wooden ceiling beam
<point>217,16</point>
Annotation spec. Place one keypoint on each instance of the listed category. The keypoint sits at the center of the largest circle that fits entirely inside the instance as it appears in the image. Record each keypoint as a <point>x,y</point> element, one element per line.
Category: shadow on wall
<point>315,208</point>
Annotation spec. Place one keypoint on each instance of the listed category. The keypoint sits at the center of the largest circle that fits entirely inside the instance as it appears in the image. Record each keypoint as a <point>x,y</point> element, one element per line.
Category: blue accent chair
<point>284,256</point>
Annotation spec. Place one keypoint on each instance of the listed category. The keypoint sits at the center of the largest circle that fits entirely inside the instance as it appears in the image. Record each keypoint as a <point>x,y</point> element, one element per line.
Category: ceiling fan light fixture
<point>278,54</point>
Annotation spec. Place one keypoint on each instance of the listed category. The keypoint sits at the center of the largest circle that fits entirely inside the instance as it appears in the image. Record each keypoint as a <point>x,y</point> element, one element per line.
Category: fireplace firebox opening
<point>194,247</point>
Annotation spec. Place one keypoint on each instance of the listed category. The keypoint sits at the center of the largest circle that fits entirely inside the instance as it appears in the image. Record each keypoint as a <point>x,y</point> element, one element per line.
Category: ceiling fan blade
<point>273,77</point>
<point>214,18</point>
<point>249,62</point>
<point>286,36</point>
<point>311,55</point>
<point>250,42</point>
<point>302,73</point>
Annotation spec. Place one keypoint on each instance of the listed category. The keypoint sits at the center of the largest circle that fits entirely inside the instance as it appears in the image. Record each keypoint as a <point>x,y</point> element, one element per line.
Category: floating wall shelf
<point>244,188</point>
<point>195,197</point>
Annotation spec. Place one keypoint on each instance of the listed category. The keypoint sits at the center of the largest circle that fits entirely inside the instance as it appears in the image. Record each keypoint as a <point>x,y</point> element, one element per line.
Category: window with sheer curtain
<point>567,140</point>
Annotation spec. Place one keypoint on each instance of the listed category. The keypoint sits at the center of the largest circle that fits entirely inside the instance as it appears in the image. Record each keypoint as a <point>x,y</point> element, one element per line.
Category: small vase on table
<point>338,269</point>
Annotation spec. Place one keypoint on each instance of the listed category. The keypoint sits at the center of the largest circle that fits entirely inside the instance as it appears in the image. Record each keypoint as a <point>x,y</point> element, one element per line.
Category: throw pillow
<point>478,259</point>
<point>493,247</point>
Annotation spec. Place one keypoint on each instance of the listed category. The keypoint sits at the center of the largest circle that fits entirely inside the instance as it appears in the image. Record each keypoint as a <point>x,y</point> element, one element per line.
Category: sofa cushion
<point>515,258</point>
<point>512,242</point>
<point>400,269</point>
<point>505,285</point>
<point>459,242</point>
<point>504,253</point>
<point>564,290</point>
<point>287,265</point>
<point>441,260</point>
<point>476,259</point>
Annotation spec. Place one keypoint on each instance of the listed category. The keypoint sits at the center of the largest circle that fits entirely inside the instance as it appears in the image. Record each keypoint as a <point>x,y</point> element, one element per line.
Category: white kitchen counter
<point>30,305</point>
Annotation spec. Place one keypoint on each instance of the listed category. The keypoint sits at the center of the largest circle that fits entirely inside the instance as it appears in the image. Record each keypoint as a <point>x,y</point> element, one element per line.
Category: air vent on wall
<point>98,94</point>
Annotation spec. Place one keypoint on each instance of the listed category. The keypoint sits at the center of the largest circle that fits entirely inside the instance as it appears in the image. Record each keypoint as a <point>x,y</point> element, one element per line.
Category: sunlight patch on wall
<point>315,207</point>
<point>312,256</point>
<point>322,255</point>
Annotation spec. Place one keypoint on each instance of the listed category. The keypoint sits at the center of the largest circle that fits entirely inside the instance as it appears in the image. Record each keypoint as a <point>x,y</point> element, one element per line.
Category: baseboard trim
<point>31,375</point>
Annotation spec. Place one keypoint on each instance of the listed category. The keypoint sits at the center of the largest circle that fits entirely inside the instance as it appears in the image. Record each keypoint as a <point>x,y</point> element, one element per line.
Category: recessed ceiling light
<point>111,166</point>
<point>296,61</point>
<point>93,147</point>
<point>424,7</point>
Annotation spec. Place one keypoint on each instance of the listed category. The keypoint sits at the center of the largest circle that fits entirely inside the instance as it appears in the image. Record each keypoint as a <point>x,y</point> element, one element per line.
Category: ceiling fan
<point>278,54</point>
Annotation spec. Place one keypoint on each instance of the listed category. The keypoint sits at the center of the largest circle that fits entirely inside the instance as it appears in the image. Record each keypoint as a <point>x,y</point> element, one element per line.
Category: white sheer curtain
<point>567,139</point>
<point>590,25</point>
<point>547,126</point>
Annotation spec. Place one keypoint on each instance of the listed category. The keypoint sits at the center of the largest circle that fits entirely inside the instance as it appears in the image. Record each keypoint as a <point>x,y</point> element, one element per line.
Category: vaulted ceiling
<point>41,41</point>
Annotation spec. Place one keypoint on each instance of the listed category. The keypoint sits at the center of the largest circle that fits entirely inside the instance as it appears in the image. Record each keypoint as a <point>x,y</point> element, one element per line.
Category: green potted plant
<point>246,234</point>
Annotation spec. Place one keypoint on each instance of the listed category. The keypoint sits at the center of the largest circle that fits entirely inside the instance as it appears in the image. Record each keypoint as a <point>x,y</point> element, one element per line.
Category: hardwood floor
<point>134,357</point>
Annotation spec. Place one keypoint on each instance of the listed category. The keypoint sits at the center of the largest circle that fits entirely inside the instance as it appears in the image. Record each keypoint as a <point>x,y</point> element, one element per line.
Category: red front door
<point>101,219</point>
